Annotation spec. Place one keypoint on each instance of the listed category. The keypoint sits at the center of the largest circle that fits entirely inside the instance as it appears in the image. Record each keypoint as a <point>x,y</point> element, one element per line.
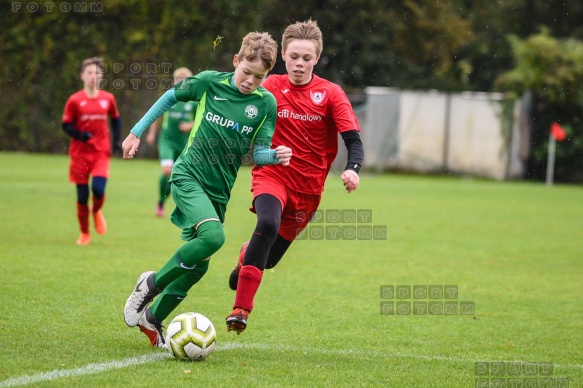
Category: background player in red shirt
<point>85,121</point>
<point>311,111</point>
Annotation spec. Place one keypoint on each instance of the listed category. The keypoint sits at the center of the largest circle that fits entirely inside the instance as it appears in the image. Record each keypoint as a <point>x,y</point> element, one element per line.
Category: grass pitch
<point>513,249</point>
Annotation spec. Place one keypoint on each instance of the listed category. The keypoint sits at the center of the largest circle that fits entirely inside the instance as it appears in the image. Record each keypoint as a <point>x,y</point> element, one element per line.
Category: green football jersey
<point>180,112</point>
<point>226,124</point>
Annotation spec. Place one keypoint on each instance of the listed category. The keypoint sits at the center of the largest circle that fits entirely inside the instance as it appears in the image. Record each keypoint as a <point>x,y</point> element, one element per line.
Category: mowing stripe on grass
<point>155,357</point>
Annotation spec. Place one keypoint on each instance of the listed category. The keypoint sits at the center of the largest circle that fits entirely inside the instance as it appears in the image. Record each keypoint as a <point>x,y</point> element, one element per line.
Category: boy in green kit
<point>233,113</point>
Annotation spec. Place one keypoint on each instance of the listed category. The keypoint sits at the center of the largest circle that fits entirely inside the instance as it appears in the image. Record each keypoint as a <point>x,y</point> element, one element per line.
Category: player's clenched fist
<point>283,154</point>
<point>351,180</point>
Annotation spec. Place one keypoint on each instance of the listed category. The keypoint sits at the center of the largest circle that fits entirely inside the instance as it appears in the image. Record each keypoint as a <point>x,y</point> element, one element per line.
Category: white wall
<point>433,132</point>
<point>421,131</point>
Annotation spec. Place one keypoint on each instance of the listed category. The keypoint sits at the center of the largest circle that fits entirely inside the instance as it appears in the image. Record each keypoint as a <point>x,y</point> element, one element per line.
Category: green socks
<point>177,291</point>
<point>210,237</point>
<point>164,188</point>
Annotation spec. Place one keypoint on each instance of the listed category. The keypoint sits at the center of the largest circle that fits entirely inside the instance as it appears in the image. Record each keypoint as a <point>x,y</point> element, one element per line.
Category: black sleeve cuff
<point>354,167</point>
<point>355,150</point>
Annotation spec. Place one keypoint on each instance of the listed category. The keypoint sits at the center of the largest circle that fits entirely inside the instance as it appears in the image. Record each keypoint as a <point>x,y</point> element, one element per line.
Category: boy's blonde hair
<point>259,46</point>
<point>92,61</point>
<point>307,30</point>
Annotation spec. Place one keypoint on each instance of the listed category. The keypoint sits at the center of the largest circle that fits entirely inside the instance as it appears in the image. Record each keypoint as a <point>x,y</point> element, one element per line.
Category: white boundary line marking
<point>155,357</point>
<point>86,370</point>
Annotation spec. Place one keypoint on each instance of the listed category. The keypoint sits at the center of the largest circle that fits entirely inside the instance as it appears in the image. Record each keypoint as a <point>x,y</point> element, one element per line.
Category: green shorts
<point>168,150</point>
<point>193,206</point>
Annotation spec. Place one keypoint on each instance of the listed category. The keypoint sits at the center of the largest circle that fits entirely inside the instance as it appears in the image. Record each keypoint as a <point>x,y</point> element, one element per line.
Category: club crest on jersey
<point>251,111</point>
<point>103,103</point>
<point>317,97</point>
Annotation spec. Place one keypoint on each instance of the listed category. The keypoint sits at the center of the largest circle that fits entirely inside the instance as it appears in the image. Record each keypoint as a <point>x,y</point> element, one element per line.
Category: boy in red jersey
<point>85,121</point>
<point>311,111</point>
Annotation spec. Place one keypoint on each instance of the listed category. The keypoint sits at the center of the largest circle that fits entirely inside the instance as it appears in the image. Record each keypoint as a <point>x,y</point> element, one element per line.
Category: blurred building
<point>434,132</point>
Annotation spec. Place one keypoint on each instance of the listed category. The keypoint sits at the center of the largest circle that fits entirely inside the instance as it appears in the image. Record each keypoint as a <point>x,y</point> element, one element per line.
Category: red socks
<point>98,203</point>
<point>83,216</point>
<point>249,281</point>
<point>83,213</point>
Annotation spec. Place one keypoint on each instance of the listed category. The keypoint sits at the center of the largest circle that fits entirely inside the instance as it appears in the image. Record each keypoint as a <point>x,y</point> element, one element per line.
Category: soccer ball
<point>191,336</point>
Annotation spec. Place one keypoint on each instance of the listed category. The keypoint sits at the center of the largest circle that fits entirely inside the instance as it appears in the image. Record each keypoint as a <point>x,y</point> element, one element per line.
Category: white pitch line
<point>86,370</point>
<point>155,357</point>
<point>375,353</point>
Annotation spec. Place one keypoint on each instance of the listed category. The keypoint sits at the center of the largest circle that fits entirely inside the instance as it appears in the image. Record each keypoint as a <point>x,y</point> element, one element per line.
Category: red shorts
<point>298,208</point>
<point>80,168</point>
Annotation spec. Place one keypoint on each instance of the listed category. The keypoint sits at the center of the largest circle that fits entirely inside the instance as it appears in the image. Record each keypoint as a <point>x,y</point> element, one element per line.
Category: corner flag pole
<point>551,159</point>
<point>557,134</point>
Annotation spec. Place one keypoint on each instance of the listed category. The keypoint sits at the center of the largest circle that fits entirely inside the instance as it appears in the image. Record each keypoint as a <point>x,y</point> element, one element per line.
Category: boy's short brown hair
<point>307,30</point>
<point>92,61</point>
<point>259,45</point>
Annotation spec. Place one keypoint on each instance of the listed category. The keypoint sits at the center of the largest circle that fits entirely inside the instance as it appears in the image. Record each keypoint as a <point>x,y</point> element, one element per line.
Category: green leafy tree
<point>552,70</point>
<point>43,47</point>
<point>409,44</point>
<point>406,44</point>
<point>490,54</point>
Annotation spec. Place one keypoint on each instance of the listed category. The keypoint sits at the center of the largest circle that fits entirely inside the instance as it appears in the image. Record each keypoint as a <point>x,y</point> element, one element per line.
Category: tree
<point>408,44</point>
<point>405,44</point>
<point>42,46</point>
<point>552,70</point>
